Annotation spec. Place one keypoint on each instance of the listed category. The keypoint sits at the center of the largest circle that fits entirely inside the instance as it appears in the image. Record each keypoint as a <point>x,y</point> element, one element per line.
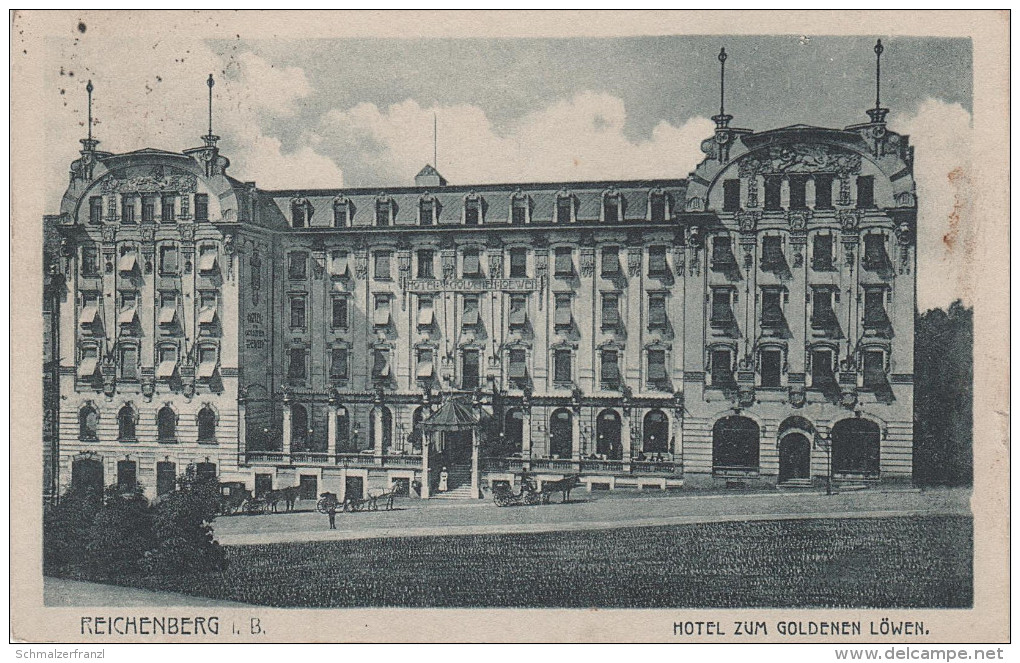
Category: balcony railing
<point>656,467</point>
<point>602,466</point>
<point>561,464</point>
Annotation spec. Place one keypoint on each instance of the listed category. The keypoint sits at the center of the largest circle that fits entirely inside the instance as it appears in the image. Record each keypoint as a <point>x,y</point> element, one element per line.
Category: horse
<point>286,495</point>
<point>564,486</point>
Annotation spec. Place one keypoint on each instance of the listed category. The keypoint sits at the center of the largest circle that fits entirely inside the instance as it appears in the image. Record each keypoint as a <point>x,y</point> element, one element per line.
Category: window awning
<point>126,262</point>
<point>381,366</point>
<point>518,316</point>
<point>382,316</point>
<point>610,369</point>
<point>87,367</point>
<point>656,371</point>
<point>517,370</point>
<point>426,369</point>
<point>166,369</point>
<point>470,317</point>
<point>562,315</point>
<point>657,313</point>
<point>207,315</point>
<point>207,261</point>
<point>425,315</point>
<point>610,262</point>
<point>128,316</point>
<point>88,315</point>
<point>206,369</point>
<point>167,315</point>
<point>338,265</point>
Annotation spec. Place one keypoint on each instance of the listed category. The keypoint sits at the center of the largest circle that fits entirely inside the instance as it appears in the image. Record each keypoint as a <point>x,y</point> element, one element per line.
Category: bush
<point>66,528</point>
<point>120,534</point>
<point>183,534</point>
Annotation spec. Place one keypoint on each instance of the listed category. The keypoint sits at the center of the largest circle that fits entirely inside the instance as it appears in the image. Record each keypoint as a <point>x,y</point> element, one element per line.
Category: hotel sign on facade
<point>419,286</point>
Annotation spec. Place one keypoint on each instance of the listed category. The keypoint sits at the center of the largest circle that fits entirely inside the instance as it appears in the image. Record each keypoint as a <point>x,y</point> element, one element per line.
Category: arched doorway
<point>87,476</point>
<point>383,413</point>
<point>735,444</point>
<point>298,428</point>
<point>126,423</point>
<point>856,447</point>
<point>343,430</point>
<point>513,432</point>
<point>561,433</point>
<point>794,457</point>
<point>655,433</point>
<point>607,435</point>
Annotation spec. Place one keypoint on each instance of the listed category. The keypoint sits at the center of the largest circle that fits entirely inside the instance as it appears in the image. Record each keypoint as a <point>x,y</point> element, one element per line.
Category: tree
<point>183,534</point>
<point>943,396</point>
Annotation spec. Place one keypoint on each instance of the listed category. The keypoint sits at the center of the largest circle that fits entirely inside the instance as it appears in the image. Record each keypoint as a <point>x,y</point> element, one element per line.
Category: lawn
<point>868,562</point>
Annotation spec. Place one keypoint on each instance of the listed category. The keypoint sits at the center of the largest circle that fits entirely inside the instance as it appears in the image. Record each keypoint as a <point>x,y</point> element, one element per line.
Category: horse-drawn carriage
<point>503,495</point>
<point>235,498</point>
<point>372,502</point>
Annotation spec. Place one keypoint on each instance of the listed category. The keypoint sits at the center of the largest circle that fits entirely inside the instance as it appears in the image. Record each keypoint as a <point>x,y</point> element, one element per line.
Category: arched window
<point>513,431</point>
<point>655,433</point>
<point>166,424</point>
<point>88,423</point>
<point>735,444</point>
<point>206,425</point>
<point>343,430</point>
<point>417,434</point>
<point>386,416</point>
<point>856,447</point>
<point>607,435</point>
<point>126,423</point>
<point>561,433</point>
<point>298,427</point>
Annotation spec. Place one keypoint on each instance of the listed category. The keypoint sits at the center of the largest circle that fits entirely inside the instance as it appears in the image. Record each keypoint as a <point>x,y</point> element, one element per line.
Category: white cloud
<point>941,135</point>
<point>580,138</point>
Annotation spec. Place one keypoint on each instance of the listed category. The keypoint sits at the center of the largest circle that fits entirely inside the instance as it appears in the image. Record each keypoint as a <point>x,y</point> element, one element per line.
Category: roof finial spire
<point>210,138</point>
<point>435,142</point>
<point>722,120</point>
<point>89,144</point>
<point>877,114</point>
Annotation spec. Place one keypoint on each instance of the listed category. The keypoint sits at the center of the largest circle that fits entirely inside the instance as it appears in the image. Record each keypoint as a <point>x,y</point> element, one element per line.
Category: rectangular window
<point>563,317</point>
<point>381,315</point>
<point>471,263</point>
<point>798,192</point>
<point>823,191</point>
<point>519,214</point>
<point>167,362</point>
<point>96,209</point>
<point>822,313</point>
<point>168,210</point>
<point>168,263</point>
<point>338,364</point>
<point>89,362</point>
<point>168,308</point>
<point>658,208</point>
<point>657,261</point>
<point>207,259</point>
<point>771,367</point>
<point>297,266</point>
<point>722,368</point>
<point>731,195</point>
<point>656,311</point>
<point>148,209</point>
<point>610,311</point>
<point>129,362</point>
<point>426,312</point>
<point>342,215</point>
<point>875,255</point>
<point>470,318</point>
<point>821,250</point>
<point>721,302</point>
<point>201,207</point>
<point>426,257</point>
<point>656,366</point>
<point>427,213</point>
<point>338,319</point>
<point>382,213</point>
<point>208,301</point>
<point>127,475</point>
<point>519,263</point>
<point>771,308</point>
<point>208,357</point>
<point>381,365</point>
<point>472,213</point>
<point>874,308</point>
<point>865,192</point>
<point>874,369</point>
<point>470,373</point>
<point>297,313</point>
<point>382,266</point>
<point>128,309</point>
<point>426,367</point>
<point>821,368</point>
<point>518,311</point>
<point>296,367</point>
<point>518,364</point>
<point>610,261</point>
<point>89,261</point>
<point>298,214</point>
<point>722,252</point>
<point>127,209</point>
<point>128,261</point>
<point>772,258</point>
<point>773,192</point>
<point>561,366</point>
<point>610,368</point>
<point>564,262</point>
<point>564,207</point>
<point>611,210</point>
<point>338,261</point>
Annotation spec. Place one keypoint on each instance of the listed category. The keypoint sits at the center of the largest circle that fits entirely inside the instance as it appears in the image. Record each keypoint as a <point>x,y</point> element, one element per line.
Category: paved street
<point>585,511</point>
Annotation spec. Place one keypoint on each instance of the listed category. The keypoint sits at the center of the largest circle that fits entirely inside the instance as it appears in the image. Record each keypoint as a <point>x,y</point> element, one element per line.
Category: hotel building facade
<point>750,323</point>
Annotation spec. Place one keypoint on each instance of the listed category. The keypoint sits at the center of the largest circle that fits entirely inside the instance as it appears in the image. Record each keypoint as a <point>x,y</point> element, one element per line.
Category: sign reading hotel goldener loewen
<point>473,285</point>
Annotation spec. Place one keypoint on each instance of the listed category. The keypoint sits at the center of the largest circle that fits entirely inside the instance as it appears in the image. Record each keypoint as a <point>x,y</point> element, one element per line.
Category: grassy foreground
<point>880,562</point>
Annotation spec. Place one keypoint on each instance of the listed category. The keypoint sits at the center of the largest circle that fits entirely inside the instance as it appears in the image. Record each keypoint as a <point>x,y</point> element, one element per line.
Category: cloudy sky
<point>342,112</point>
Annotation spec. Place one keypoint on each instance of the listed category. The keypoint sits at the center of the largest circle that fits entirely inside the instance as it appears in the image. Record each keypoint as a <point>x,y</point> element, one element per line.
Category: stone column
<point>331,431</point>
<point>377,419</point>
<point>426,445</point>
<point>625,440</point>
<point>242,429</point>
<point>575,436</point>
<point>286,428</point>
<point>526,434</point>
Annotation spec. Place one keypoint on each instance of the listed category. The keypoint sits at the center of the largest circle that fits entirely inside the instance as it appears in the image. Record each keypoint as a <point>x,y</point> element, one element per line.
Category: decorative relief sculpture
<point>748,220</point>
<point>155,182</point>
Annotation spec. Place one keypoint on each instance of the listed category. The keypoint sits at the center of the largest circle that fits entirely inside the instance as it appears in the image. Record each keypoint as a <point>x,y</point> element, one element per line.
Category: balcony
<point>657,467</point>
<point>352,460</point>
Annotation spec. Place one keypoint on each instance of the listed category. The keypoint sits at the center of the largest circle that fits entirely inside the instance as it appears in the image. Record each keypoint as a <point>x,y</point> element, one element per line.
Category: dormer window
<point>384,212</point>
<point>611,207</point>
<point>564,208</point>
<point>341,213</point>
<point>427,212</point>
<point>472,211</point>
<point>519,209</point>
<point>657,207</point>
<point>300,213</point>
